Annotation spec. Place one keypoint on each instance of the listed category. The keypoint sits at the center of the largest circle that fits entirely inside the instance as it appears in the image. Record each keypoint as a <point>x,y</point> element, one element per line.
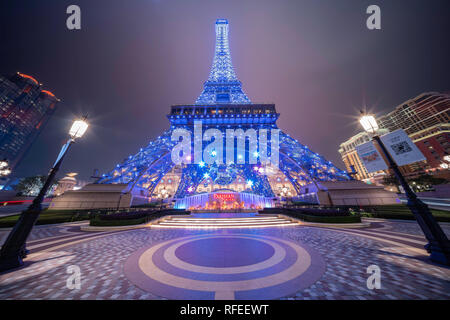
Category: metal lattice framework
<point>303,166</point>
<point>146,168</point>
<point>217,108</point>
<point>222,85</point>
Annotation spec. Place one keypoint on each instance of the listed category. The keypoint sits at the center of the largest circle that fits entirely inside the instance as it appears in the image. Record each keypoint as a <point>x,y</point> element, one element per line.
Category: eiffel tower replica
<point>221,105</point>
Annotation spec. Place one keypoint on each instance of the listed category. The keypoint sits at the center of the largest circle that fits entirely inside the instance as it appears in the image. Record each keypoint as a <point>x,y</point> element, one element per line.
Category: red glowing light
<point>49,93</point>
<point>16,202</point>
<point>28,77</point>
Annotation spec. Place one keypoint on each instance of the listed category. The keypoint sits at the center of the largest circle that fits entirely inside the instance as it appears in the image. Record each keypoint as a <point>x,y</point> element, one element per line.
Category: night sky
<point>133,59</point>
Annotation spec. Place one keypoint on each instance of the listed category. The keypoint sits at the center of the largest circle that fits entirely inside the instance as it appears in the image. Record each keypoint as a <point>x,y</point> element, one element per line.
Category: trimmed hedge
<point>301,203</point>
<point>322,219</point>
<point>96,222</point>
<point>318,212</point>
<point>336,219</point>
<point>132,218</point>
<point>124,215</point>
<point>148,205</point>
<point>317,215</point>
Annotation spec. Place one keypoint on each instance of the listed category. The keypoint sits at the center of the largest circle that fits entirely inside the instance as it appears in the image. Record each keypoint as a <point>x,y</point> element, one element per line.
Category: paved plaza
<point>289,262</point>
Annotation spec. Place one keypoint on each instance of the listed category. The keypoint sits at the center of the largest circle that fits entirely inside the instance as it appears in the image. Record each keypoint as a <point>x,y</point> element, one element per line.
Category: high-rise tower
<point>25,109</point>
<point>222,106</point>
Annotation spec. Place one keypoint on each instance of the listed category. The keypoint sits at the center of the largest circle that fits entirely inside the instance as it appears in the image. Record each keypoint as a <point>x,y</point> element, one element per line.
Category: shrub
<point>124,215</point>
<point>127,218</point>
<point>317,214</point>
<point>148,205</point>
<point>114,223</point>
<point>322,212</point>
<point>335,219</point>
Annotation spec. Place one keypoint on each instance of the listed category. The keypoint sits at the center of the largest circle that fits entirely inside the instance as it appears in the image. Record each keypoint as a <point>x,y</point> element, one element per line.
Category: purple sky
<point>133,59</point>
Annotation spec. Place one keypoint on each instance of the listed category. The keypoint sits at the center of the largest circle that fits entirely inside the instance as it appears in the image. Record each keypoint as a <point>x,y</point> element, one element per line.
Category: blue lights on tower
<point>222,105</point>
<point>222,85</point>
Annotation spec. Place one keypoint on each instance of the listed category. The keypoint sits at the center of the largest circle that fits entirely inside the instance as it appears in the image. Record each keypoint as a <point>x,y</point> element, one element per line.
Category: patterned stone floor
<point>109,263</point>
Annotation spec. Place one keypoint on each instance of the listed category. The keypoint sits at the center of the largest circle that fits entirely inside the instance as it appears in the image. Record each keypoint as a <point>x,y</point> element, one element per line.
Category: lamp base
<point>10,262</point>
<point>438,255</point>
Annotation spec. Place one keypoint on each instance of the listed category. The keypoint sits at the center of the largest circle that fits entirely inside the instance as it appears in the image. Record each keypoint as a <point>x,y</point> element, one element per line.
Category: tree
<point>30,186</point>
<point>390,180</point>
<point>424,182</point>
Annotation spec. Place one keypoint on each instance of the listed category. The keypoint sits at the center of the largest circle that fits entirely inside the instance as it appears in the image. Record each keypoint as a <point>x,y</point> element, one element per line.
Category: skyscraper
<point>25,109</point>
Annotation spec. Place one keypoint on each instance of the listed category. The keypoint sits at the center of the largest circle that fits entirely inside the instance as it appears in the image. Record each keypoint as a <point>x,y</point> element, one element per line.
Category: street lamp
<point>4,169</point>
<point>446,163</point>
<point>369,123</point>
<point>14,249</point>
<point>438,244</point>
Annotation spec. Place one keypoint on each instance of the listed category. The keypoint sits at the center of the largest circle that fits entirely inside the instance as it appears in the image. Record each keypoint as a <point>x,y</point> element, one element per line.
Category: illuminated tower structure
<point>222,105</point>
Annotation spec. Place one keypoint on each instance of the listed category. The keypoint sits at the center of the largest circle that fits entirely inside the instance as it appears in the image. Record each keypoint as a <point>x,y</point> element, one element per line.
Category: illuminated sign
<point>225,196</point>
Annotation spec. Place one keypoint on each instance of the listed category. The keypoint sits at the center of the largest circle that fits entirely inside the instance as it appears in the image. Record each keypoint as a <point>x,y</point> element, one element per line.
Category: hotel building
<point>25,109</point>
<point>425,118</point>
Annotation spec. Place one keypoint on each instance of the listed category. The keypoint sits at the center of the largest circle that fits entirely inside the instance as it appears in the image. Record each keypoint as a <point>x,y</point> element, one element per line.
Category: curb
<point>112,228</point>
<point>337,225</point>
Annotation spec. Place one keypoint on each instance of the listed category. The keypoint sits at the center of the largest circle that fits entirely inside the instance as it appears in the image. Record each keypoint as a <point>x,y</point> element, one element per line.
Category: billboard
<point>401,148</point>
<point>370,157</point>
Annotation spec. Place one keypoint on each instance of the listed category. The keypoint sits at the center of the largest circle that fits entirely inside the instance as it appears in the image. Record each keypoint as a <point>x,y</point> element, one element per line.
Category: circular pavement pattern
<point>232,266</point>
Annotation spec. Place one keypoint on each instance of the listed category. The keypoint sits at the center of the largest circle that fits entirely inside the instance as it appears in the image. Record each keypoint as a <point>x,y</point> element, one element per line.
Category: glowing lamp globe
<point>369,123</point>
<point>5,172</point>
<point>78,128</point>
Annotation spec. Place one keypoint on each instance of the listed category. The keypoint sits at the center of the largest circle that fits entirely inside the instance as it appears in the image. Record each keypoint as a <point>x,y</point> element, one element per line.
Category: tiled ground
<point>396,247</point>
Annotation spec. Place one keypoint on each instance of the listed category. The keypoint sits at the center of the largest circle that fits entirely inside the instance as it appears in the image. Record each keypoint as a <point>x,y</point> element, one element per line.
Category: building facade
<point>25,109</point>
<point>353,163</point>
<point>434,142</point>
<point>425,118</point>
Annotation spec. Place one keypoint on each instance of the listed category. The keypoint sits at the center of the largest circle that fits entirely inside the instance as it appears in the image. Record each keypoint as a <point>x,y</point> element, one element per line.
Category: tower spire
<point>222,85</point>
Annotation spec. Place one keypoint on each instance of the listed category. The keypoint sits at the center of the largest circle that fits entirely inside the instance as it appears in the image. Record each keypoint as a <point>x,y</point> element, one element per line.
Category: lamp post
<point>14,249</point>
<point>438,244</point>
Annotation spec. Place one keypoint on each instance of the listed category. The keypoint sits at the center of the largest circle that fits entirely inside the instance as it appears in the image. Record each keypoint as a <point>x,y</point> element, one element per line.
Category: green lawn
<point>47,217</point>
<point>401,211</point>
